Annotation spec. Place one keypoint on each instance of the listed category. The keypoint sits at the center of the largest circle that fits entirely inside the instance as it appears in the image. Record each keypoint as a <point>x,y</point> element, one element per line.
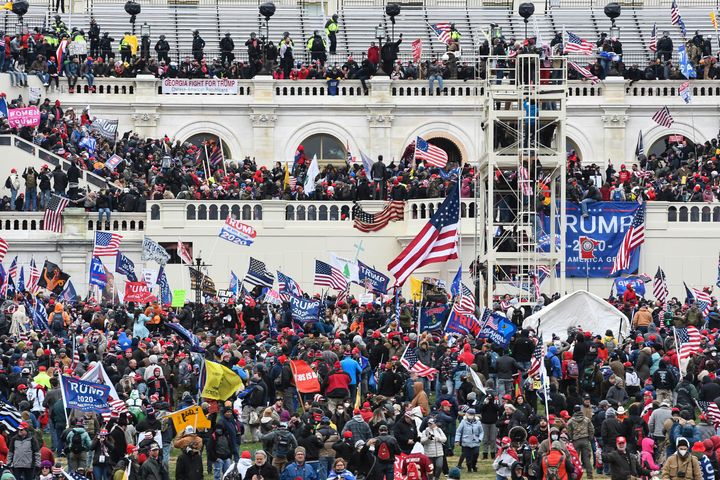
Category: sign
<point>372,279</point>
<point>218,86</point>
<point>607,224</point>
<point>150,276</point>
<point>225,295</point>
<point>464,324</point>
<point>433,318</point>
<point>85,396</point>
<point>272,297</point>
<point>587,248</point>
<point>190,417</point>
<point>153,251</point>
<point>686,95</point>
<point>178,298</point>
<point>138,292</point>
<point>24,117</point>
<point>498,330</point>
<point>34,94</point>
<point>302,309</point>
<point>306,380</point>
<point>638,284</point>
<point>114,161</point>
<point>675,138</point>
<point>366,298</point>
<point>237,232</point>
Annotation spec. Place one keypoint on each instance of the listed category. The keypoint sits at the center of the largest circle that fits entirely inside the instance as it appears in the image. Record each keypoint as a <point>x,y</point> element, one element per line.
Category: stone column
<point>263,119</point>
<point>380,117</point>
<point>75,247</point>
<point>614,119</point>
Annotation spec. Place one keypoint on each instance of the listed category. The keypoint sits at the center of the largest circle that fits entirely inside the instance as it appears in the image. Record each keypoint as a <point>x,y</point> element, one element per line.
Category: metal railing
<point>634,4</point>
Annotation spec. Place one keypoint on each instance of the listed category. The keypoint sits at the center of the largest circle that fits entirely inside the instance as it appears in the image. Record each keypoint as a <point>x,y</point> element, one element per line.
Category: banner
<point>372,279</point>
<point>52,278</point>
<point>165,292</point>
<point>150,276</point>
<point>686,68</point>
<point>433,318</point>
<point>498,329</point>
<point>237,232</point>
<point>109,294</point>
<point>138,292</point>
<point>186,335</point>
<point>637,283</point>
<point>114,161</point>
<point>153,251</point>
<point>85,396</point>
<point>686,95</point>
<point>304,310</point>
<point>349,268</point>
<point>178,298</point>
<point>220,382</point>
<point>97,273</point>
<point>190,417</point>
<point>125,266</point>
<point>606,224</point>
<point>306,380</point>
<point>24,117</point>
<point>461,323</point>
<point>106,128</point>
<point>225,86</point>
<point>272,297</point>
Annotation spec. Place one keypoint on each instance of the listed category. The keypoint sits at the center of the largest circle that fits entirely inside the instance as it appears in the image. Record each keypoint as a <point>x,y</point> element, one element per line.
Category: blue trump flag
<point>97,273</point>
<point>607,223</point>
<point>498,329</point>
<point>303,309</point>
<point>125,266</point>
<point>234,283</point>
<point>455,287</point>
<point>165,292</point>
<point>373,280</point>
<point>686,68</point>
<point>69,295</point>
<point>186,335</point>
<point>433,318</point>
<point>85,396</point>
<point>637,283</point>
<point>463,323</point>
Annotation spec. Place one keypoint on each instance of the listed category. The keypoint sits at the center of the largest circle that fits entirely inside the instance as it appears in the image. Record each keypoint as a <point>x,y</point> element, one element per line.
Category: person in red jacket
<point>624,175</point>
<point>337,386</point>
<point>373,54</point>
<point>417,465</point>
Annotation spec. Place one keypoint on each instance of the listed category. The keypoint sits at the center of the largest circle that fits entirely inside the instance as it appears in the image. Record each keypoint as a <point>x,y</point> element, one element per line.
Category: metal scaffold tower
<point>521,179</point>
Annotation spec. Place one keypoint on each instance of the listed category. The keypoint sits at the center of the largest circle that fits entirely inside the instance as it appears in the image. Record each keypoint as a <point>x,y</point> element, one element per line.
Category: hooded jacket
<point>420,398</point>
<point>690,466</point>
<point>646,455</point>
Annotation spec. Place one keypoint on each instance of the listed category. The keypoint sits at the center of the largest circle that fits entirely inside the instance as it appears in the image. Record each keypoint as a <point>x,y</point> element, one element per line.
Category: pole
<point>587,275</point>
<point>62,393</point>
<point>206,160</point>
<point>222,152</point>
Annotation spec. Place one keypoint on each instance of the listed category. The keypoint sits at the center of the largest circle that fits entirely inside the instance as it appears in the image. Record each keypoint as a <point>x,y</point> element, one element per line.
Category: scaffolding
<point>521,179</point>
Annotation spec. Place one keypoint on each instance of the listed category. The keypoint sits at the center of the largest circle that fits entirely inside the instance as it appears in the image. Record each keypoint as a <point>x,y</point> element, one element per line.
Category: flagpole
<point>204,160</point>
<point>222,152</point>
<point>64,398</point>
<point>677,350</point>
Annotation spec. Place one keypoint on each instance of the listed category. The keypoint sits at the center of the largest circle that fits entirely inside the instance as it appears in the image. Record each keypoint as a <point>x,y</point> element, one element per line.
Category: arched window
<point>571,146</point>
<point>452,150</point>
<point>666,142</point>
<point>327,148</point>
<point>211,140</point>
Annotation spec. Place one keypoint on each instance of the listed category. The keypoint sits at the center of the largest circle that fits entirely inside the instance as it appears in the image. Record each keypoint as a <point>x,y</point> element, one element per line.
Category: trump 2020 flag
<point>84,396</point>
<point>165,292</point>
<point>125,266</point>
<point>304,310</point>
<point>97,273</point>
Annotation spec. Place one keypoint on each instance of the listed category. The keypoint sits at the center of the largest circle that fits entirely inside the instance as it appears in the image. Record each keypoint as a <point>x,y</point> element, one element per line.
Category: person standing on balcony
<point>286,54</point>
<point>198,45</point>
<point>106,46</point>
<point>13,183</point>
<point>60,180</point>
<point>373,54</point>
<point>31,181</point>
<point>94,36</point>
<point>331,29</point>
<point>389,53</point>
<point>45,186</point>
<point>126,48</point>
<point>227,46</point>
<point>378,173</point>
<point>665,47</point>
<point>317,48</point>
<point>162,47</point>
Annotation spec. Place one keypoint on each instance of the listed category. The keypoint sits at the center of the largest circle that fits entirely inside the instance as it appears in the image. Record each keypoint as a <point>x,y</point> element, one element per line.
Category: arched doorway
<point>450,148</point>
<point>199,138</point>
<point>570,146</point>
<point>326,147</point>
<point>666,142</point>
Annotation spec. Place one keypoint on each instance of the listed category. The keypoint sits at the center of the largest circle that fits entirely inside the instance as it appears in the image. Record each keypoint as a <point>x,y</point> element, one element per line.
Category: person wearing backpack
<point>12,183</point>
<point>219,451</point>
<point>469,435</point>
<point>24,453</point>
<point>77,446</point>
<point>299,469</point>
<point>570,371</point>
<point>384,447</point>
<point>581,432</point>
<point>59,319</point>
<point>556,464</point>
<point>283,443</point>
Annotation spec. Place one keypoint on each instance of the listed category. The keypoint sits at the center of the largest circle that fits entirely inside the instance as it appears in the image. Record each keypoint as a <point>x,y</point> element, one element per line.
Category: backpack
<point>281,446</point>
<point>413,473</point>
<point>610,344</point>
<point>58,322</point>
<point>617,195</point>
<point>553,471</point>
<point>588,380</point>
<point>383,452</point>
<point>518,316</point>
<point>572,369</point>
<point>8,183</point>
<point>222,447</point>
<point>76,444</point>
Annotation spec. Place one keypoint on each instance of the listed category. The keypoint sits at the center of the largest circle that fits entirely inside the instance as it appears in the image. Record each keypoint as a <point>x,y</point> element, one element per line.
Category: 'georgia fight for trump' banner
<point>606,223</point>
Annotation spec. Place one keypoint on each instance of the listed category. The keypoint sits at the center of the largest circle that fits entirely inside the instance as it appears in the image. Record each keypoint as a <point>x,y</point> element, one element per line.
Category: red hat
<point>366,405</point>
<point>648,393</point>
<point>355,350</point>
<point>241,362</point>
<point>347,434</point>
<point>507,396</point>
<point>282,359</point>
<point>337,366</point>
<point>245,454</point>
<point>506,441</point>
<point>698,447</point>
<point>131,449</point>
<point>627,364</point>
<point>639,339</point>
<point>23,426</point>
<point>620,440</point>
<point>564,414</point>
<point>445,403</point>
<point>551,418</point>
<point>533,440</point>
<point>376,334</point>
<point>22,386</point>
<point>43,368</point>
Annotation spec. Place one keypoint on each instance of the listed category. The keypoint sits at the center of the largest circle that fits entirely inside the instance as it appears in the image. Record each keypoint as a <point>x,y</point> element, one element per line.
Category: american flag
<point>634,237</point>
<point>74,475</point>
<point>663,118</point>
<point>489,320</point>
<point>640,147</point>
<point>53,214</point>
<point>653,39</point>
<point>436,242</point>
<point>106,244</point>
<point>584,72</point>
<point>12,273</point>
<point>410,361</point>
<point>216,155</point>
<point>433,156</point>
<point>465,302</point>
<point>442,30</point>
<point>701,298</point>
<point>3,249</point>
<point>417,50</point>
<point>287,285</point>
<point>676,19</point>
<point>258,274</point>
<point>293,182</point>
<point>576,44</point>
<point>537,359</point>
<point>328,276</point>
<point>184,253</point>
<point>34,277</point>
<point>372,222</point>
<point>660,288</point>
<point>712,411</point>
<point>524,181</point>
<point>688,343</point>
<point>342,296</point>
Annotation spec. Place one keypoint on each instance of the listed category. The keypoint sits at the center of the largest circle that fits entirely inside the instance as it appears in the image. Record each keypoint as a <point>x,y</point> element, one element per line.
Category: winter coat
<point>24,452</point>
<point>189,467</point>
<point>420,398</point>
<point>433,441</point>
<point>689,465</point>
<point>657,421</point>
<point>294,471</point>
<point>646,455</point>
<point>469,434</point>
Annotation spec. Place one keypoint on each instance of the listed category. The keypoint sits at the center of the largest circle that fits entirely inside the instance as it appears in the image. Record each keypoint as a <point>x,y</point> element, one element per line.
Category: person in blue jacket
<point>555,369</point>
<point>352,368</point>
<point>299,469</point>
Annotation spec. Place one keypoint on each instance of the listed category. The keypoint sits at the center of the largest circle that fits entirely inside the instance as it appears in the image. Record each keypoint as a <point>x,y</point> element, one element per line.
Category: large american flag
<point>106,244</point>
<point>410,361</point>
<point>372,222</point>
<point>575,44</point>
<point>584,72</point>
<point>660,288</point>
<point>537,359</point>
<point>433,156</point>
<point>465,302</point>
<point>688,343</point>
<point>634,237</point>
<point>216,156</point>
<point>676,19</point>
<point>53,220</point>
<point>653,39</point>
<point>712,411</point>
<point>3,248</point>
<point>442,30</point>
<point>328,276</point>
<point>32,284</point>
<point>258,274</point>
<point>436,242</point>
<point>12,273</point>
<point>701,298</point>
<point>663,118</point>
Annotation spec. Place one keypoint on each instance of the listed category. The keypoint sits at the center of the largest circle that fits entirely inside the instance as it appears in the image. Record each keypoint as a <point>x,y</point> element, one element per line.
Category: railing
<point>585,4</point>
<point>703,213</point>
<point>33,221</point>
<point>669,88</point>
<point>212,210</point>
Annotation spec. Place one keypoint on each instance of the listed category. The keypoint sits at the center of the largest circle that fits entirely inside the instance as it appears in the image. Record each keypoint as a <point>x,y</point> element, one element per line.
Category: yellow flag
<point>286,180</point>
<point>8,6</point>
<point>220,381</point>
<point>415,289</point>
<point>713,19</point>
<point>191,416</point>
